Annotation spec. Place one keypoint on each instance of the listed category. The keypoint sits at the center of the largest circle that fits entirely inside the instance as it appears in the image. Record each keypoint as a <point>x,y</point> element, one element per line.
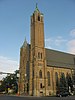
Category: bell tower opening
<point>38,18</point>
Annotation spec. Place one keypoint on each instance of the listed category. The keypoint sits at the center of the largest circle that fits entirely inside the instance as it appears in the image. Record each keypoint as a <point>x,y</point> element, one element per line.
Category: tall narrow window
<point>40,85</point>
<point>40,74</point>
<point>56,78</point>
<point>63,75</point>
<point>69,79</point>
<point>38,18</point>
<point>62,81</point>
<point>48,76</point>
<point>38,55</point>
<point>73,76</point>
<point>33,73</point>
<point>41,55</point>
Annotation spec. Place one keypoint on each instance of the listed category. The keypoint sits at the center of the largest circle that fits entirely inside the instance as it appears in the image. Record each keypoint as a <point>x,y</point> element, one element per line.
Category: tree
<point>57,82</point>
<point>10,81</point>
<point>62,84</point>
<point>69,82</point>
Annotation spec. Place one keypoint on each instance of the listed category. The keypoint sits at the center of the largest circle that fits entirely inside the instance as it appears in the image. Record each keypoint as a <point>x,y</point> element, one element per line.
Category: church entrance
<point>41,93</point>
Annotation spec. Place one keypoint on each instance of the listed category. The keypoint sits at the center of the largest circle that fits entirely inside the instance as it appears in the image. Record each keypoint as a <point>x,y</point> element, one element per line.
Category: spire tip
<point>36,5</point>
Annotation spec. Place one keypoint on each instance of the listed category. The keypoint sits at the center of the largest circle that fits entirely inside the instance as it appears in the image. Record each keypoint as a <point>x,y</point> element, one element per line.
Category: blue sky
<point>59,27</point>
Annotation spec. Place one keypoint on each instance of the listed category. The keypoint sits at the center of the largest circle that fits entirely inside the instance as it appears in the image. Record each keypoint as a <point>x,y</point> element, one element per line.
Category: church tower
<point>37,29</point>
<point>37,60</point>
<point>24,68</point>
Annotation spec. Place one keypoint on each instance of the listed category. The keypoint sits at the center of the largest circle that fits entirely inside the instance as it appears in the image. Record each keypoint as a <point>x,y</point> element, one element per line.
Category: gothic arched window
<point>62,81</point>
<point>56,78</point>
<point>38,55</point>
<point>38,18</point>
<point>41,55</point>
<point>48,76</point>
<point>40,85</point>
<point>40,74</point>
<point>69,80</point>
<point>63,75</point>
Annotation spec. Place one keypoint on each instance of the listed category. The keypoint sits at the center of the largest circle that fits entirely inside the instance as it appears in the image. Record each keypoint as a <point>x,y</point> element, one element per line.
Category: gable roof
<point>60,59</point>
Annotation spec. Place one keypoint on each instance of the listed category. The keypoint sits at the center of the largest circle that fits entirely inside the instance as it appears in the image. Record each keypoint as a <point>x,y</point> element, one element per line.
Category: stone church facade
<point>41,68</point>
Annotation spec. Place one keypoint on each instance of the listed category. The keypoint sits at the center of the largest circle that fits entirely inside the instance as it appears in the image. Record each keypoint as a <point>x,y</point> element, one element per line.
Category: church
<point>43,71</point>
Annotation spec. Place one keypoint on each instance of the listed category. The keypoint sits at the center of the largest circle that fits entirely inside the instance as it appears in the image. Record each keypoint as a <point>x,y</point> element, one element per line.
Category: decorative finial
<point>36,9</point>
<point>36,5</point>
<point>25,43</point>
<point>25,39</point>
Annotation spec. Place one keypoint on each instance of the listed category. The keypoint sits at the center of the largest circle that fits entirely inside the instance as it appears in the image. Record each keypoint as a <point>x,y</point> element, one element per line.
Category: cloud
<point>48,42</point>
<point>55,41</point>
<point>72,33</point>
<point>7,65</point>
<point>59,41</point>
<point>71,46</point>
<point>71,42</point>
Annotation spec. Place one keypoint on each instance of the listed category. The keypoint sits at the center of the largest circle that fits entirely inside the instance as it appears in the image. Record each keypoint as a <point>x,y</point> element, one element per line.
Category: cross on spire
<point>36,9</point>
<point>36,5</point>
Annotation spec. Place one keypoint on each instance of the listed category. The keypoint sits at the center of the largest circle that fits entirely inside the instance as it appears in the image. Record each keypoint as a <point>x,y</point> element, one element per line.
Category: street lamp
<point>18,75</point>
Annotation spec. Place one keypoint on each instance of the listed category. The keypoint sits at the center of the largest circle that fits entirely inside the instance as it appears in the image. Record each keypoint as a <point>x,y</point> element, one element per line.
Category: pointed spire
<point>36,6</point>
<point>25,43</point>
<point>36,9</point>
<point>25,40</point>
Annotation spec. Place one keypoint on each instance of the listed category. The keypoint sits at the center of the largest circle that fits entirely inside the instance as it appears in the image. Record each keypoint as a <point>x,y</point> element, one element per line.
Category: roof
<point>60,59</point>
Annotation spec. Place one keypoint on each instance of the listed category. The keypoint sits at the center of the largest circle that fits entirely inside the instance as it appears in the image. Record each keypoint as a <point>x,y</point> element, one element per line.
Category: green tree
<point>69,82</point>
<point>62,84</point>
<point>10,81</point>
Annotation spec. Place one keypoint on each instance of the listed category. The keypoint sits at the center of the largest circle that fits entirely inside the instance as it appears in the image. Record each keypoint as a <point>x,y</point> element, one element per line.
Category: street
<point>35,98</point>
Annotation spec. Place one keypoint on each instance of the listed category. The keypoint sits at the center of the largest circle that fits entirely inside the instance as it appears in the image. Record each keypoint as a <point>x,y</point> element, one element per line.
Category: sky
<point>59,28</point>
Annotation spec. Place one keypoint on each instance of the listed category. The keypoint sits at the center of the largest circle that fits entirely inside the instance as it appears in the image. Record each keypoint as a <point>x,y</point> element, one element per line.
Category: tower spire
<point>36,5</point>
<point>25,43</point>
<point>36,9</point>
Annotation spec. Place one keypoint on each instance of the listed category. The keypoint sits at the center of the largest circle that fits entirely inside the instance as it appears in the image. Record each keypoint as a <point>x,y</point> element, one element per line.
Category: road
<point>35,98</point>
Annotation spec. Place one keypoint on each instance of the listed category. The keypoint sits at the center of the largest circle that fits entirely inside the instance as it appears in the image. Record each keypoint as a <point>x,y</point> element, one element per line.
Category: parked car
<point>63,94</point>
